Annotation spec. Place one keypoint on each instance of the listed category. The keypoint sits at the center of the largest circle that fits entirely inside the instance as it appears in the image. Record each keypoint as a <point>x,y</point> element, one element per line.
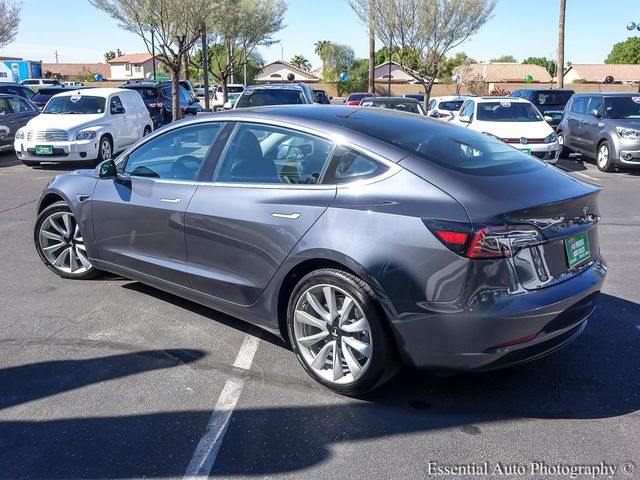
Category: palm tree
<point>323,50</point>
<point>301,62</point>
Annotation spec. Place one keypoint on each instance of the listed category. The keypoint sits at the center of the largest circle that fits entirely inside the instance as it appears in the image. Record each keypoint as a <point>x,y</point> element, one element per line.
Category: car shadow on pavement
<point>595,377</point>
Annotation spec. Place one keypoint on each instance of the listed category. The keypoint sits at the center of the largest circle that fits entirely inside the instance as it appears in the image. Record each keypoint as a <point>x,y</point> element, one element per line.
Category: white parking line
<point>205,454</point>
<point>586,176</point>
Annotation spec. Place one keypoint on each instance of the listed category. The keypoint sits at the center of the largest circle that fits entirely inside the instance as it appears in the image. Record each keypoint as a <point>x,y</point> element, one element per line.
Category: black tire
<point>103,151</point>
<point>603,160</point>
<point>31,163</point>
<point>384,359</point>
<point>57,208</point>
<point>564,151</point>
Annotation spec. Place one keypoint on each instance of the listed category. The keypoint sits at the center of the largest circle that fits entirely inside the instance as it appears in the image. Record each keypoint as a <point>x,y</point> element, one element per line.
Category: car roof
<point>61,88</point>
<point>94,92</point>
<point>607,94</point>
<point>542,90</point>
<point>392,99</point>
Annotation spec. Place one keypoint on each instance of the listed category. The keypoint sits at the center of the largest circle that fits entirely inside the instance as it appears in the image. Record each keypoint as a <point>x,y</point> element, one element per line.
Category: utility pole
<point>56,54</point>
<point>389,74</point>
<point>560,67</point>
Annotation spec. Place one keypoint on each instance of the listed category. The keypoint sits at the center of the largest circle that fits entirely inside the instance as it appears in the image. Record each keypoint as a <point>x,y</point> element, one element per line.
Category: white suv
<point>515,121</point>
<point>84,125</point>
<point>234,90</point>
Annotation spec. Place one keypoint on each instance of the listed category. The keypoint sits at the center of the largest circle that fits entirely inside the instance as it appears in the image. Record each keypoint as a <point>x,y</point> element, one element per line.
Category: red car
<point>354,98</point>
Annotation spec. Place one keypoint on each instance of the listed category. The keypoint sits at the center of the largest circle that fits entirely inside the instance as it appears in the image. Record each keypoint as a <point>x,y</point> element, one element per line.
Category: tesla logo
<point>523,140</point>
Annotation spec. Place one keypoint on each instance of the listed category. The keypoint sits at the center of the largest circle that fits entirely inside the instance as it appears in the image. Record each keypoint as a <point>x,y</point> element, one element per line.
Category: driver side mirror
<point>548,119</point>
<point>464,118</point>
<point>596,113</point>
<point>106,169</point>
<point>228,106</point>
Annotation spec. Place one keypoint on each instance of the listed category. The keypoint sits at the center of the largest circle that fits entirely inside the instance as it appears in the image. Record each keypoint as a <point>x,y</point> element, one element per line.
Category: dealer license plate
<point>44,150</point>
<point>577,248</point>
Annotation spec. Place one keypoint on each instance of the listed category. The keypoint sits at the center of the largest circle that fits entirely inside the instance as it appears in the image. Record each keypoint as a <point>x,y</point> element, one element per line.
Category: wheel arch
<point>49,199</point>
<point>302,267</point>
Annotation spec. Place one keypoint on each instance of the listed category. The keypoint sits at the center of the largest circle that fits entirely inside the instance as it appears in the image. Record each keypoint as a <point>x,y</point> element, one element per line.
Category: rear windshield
<point>452,105</point>
<point>356,96</point>
<point>622,107</point>
<point>75,104</point>
<point>258,98</point>
<point>235,89</point>
<point>559,99</point>
<point>506,111</point>
<point>410,107</point>
<point>146,93</point>
<point>449,146</point>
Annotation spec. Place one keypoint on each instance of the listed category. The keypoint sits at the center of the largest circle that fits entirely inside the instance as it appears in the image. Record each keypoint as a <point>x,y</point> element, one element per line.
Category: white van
<point>84,125</point>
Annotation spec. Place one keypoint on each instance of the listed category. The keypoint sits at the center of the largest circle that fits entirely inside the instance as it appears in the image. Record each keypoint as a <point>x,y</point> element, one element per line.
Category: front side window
<point>349,166</point>
<point>175,155</point>
<point>75,104</point>
<point>467,110</point>
<point>507,111</point>
<point>265,154</point>
<point>595,103</point>
<point>19,106</point>
<point>4,106</point>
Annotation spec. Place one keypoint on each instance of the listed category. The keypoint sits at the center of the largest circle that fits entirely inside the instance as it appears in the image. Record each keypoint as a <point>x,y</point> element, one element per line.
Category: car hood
<point>64,122</point>
<point>515,129</point>
<point>623,122</point>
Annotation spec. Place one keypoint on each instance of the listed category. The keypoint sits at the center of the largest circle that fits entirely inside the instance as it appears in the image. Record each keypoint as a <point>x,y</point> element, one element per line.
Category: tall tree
<point>239,27</point>
<point>560,74</point>
<point>174,24</point>
<point>9,21</point>
<point>341,58</point>
<point>323,50</point>
<point>431,27</point>
<point>504,59</point>
<point>625,52</point>
<point>301,62</point>
<point>110,55</point>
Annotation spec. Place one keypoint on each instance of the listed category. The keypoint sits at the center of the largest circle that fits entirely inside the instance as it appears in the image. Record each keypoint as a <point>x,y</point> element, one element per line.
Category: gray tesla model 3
<point>366,238</point>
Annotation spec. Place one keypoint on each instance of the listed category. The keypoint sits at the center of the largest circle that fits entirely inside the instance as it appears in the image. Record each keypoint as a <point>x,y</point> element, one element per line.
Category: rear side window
<point>350,166</point>
<point>467,110</point>
<point>4,106</point>
<point>19,106</point>
<point>579,105</point>
<point>452,106</point>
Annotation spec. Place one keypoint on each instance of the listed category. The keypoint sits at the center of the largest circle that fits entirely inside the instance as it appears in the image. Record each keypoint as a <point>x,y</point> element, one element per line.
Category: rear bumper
<point>510,329</point>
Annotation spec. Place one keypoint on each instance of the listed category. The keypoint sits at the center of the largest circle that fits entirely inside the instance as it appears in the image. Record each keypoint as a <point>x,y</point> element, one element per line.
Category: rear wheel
<point>339,334</point>
<point>603,157</point>
<point>564,151</point>
<point>60,244</point>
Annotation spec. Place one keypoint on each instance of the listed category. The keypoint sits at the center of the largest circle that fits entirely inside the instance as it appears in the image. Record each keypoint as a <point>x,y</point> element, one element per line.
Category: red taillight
<point>483,242</point>
<point>452,238</point>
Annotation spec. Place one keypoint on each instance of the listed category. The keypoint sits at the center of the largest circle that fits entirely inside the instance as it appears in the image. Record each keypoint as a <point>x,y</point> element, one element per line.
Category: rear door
<point>139,217</point>
<point>593,124</point>
<point>118,119</point>
<point>575,137</point>
<point>264,195</point>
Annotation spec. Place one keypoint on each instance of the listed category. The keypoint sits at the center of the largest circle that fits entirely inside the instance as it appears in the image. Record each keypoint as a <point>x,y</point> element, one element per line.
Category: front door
<point>139,217</point>
<point>592,125</point>
<point>265,195</point>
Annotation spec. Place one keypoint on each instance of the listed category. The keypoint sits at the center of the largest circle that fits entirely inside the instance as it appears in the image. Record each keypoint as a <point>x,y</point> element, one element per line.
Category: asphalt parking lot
<point>113,379</point>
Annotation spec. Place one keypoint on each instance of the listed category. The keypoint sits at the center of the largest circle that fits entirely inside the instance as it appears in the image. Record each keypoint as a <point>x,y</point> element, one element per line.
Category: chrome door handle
<point>290,216</point>
<point>171,200</point>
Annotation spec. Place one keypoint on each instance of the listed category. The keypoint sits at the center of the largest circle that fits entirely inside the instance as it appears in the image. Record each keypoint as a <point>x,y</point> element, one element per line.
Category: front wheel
<point>60,244</point>
<point>603,157</point>
<point>105,149</point>
<point>339,334</point>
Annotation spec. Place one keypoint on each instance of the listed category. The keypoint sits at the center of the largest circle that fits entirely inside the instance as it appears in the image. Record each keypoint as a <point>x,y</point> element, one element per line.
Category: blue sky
<point>81,33</point>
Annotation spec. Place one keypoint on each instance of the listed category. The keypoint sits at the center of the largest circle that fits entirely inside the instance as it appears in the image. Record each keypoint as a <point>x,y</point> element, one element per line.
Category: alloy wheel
<point>106,149</point>
<point>62,244</point>
<point>333,334</point>
<point>603,156</point>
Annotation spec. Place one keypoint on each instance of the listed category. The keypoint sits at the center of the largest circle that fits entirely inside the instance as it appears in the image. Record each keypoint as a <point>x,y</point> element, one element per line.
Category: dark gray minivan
<point>604,126</point>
